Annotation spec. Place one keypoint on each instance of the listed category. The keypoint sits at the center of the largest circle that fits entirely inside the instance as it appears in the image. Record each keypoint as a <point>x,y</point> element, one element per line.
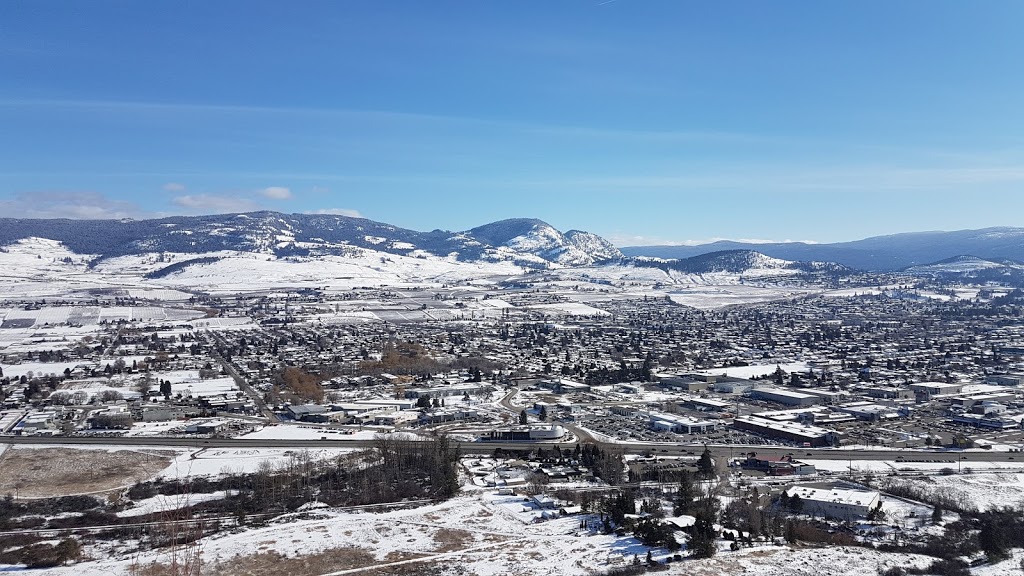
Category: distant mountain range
<point>879,253</point>
<point>526,242</point>
<point>996,252</point>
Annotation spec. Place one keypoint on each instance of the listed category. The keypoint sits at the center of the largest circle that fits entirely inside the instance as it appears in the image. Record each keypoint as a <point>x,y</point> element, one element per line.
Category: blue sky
<point>644,121</point>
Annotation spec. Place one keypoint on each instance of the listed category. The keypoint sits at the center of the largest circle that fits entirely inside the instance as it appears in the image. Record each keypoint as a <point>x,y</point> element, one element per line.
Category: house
<point>544,502</point>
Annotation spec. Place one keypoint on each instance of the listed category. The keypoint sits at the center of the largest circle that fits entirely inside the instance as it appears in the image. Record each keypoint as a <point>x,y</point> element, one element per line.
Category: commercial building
<point>680,424</point>
<point>930,389</point>
<point>839,503</point>
<point>792,431</point>
<point>787,397</point>
<point>525,433</point>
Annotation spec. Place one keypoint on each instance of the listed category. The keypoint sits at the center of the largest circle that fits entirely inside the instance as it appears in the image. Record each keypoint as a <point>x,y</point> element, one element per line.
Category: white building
<point>837,503</point>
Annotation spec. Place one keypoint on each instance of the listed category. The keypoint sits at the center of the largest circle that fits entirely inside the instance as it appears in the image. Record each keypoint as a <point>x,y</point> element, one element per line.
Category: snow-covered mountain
<point>966,267</point>
<point>886,253</point>
<point>592,245</point>
<point>540,239</point>
<point>741,262</point>
<point>525,242</point>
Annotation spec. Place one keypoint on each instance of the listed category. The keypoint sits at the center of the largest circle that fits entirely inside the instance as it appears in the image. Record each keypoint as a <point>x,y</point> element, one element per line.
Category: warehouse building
<point>838,503</point>
<point>525,433</point>
<point>792,431</point>
<point>787,397</point>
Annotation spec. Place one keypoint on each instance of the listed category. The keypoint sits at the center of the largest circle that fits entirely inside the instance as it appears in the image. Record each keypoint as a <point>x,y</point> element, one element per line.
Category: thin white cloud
<point>277,193</point>
<point>75,205</point>
<point>337,212</point>
<point>391,115</point>
<point>174,187</point>
<point>215,204</point>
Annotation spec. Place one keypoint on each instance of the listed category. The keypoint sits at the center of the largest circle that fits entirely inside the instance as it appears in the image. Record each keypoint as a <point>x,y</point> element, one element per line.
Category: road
<point>507,404</point>
<point>653,448</point>
<point>580,433</point>
<point>240,380</point>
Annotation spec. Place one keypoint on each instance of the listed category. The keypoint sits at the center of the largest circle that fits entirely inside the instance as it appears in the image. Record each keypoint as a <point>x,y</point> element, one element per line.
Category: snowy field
<point>755,371</point>
<point>486,535</point>
<point>92,315</point>
<point>569,309</point>
<point>984,490</point>
<point>889,466</point>
<point>306,432</point>
<point>720,296</point>
<point>222,461</point>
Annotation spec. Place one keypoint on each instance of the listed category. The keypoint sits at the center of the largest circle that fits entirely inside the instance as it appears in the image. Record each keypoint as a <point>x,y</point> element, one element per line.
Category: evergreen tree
<point>706,465</point>
<point>703,536</point>
<point>685,495</point>
<point>523,419</point>
<point>796,504</point>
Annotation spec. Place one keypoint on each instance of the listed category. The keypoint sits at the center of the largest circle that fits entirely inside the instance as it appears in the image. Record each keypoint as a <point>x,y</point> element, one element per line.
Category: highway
<point>653,448</point>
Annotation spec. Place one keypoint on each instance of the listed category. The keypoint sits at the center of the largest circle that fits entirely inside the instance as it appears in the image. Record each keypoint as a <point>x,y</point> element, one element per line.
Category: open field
<point>50,472</point>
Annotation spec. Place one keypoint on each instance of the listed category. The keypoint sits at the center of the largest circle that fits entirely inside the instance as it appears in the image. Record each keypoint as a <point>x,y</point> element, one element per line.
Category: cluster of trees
<point>43,554</point>
<point>625,373</point>
<point>296,383</point>
<point>395,469</point>
<point>697,496</point>
<point>606,464</point>
<point>402,358</point>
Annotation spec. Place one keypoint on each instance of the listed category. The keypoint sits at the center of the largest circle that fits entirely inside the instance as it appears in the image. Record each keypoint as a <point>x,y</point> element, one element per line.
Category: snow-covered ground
<point>221,461</point>
<point>721,295</point>
<point>984,490</point>
<point>162,503</point>
<point>761,370</point>
<point>309,432</point>
<point>486,535</point>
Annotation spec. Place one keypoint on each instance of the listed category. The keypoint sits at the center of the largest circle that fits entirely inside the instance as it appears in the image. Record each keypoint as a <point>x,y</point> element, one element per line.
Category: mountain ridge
<point>880,253</point>
<point>525,241</point>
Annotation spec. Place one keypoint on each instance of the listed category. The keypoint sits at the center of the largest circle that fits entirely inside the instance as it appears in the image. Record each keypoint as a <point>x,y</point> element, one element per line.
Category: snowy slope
<point>537,238</point>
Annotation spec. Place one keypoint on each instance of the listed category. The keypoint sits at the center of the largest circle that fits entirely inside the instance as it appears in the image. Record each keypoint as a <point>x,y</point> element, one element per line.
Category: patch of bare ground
<point>721,565</point>
<point>434,568</point>
<point>452,539</point>
<point>275,564</point>
<point>50,472</point>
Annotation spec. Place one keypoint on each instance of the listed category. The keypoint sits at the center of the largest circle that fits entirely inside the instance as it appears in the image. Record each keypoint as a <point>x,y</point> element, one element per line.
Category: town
<point>831,416</point>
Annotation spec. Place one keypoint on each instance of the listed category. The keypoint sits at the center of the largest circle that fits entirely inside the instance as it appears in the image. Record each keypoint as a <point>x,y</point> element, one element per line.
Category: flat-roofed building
<point>839,503</point>
<point>708,404</point>
<point>1006,379</point>
<point>803,433</point>
<point>787,397</point>
<point>930,389</point>
<point>827,396</point>
<point>520,433</point>
<point>884,393</point>
<point>680,424</point>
